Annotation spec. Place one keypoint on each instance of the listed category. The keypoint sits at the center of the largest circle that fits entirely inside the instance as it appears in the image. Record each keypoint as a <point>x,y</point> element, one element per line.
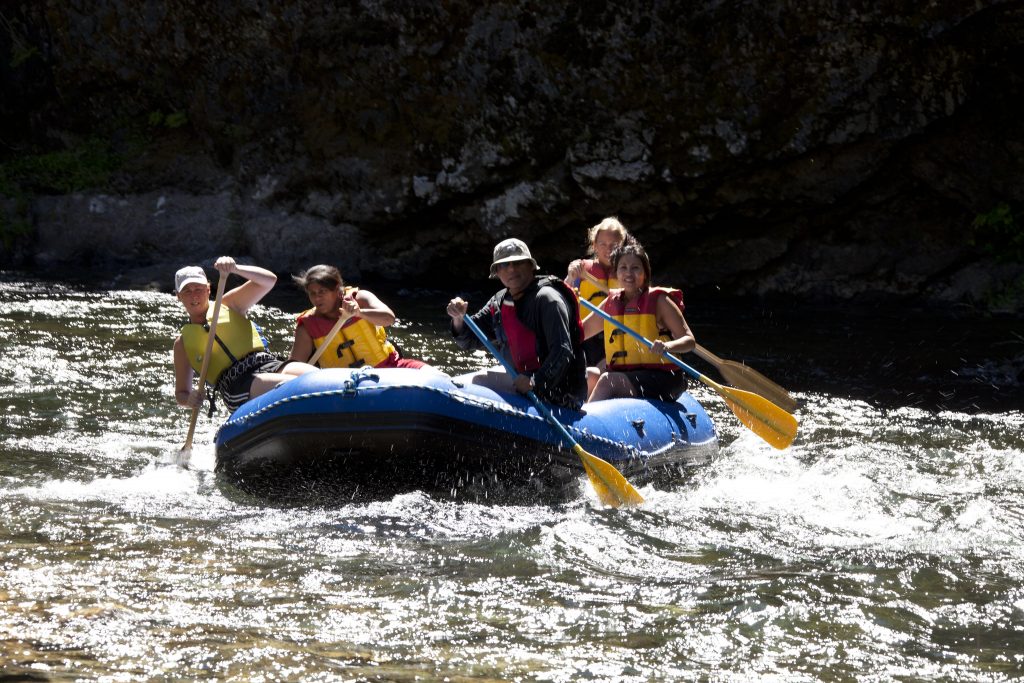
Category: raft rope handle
<point>351,385</point>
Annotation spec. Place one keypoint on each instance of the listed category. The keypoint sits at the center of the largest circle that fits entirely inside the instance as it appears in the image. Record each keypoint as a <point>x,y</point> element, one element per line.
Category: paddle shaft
<point>640,338</point>
<point>698,349</point>
<point>708,356</point>
<point>746,377</point>
<point>512,373</point>
<point>601,286</point>
<point>221,281</point>
<point>330,335</point>
<point>609,484</point>
<point>764,418</point>
<point>738,374</point>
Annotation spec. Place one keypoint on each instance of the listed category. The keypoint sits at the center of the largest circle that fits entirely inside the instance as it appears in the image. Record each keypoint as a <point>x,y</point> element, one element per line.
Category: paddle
<point>186,451</point>
<point>738,374</point>
<point>745,377</point>
<point>611,487</point>
<point>330,335</point>
<point>585,274</point>
<point>764,418</point>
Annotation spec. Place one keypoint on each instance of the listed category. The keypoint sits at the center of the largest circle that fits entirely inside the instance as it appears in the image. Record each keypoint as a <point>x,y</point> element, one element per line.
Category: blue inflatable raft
<point>347,434</point>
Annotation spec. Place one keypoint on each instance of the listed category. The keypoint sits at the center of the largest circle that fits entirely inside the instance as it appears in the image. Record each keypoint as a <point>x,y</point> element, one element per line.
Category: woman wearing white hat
<point>534,321</point>
<point>239,367</point>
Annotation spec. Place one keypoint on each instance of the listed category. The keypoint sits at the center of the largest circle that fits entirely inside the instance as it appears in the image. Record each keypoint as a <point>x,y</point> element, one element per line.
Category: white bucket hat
<point>510,250</point>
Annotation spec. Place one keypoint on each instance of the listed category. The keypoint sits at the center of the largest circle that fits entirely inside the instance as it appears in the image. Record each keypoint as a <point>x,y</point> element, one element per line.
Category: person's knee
<point>601,388</point>
<point>265,381</point>
<point>297,369</point>
<point>492,379</point>
<point>625,387</point>
<point>478,378</point>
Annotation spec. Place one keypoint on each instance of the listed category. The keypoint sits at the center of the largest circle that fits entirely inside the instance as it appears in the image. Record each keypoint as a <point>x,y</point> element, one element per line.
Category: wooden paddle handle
<point>708,356</point>
<point>330,335</point>
<point>206,358</point>
<point>593,280</point>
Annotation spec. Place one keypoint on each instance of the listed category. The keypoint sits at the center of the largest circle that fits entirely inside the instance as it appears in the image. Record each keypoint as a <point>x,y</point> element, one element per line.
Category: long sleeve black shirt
<point>561,377</point>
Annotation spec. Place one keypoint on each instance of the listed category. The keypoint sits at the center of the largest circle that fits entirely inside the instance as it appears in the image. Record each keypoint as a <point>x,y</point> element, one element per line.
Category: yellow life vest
<point>595,293</point>
<point>357,343</point>
<point>234,331</point>
<point>623,352</point>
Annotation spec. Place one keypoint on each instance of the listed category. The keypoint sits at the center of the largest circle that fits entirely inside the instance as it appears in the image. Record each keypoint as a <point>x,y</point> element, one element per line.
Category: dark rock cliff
<point>819,150</point>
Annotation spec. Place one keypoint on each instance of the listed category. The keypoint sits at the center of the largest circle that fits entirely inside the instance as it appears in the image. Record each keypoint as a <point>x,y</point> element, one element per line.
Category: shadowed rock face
<point>818,151</point>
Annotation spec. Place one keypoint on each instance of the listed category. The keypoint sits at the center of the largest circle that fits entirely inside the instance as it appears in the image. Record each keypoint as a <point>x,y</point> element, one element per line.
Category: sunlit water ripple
<point>885,544</point>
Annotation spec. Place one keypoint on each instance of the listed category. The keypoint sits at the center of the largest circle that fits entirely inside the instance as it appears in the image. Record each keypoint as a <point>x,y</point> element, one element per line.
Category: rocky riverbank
<point>818,153</point>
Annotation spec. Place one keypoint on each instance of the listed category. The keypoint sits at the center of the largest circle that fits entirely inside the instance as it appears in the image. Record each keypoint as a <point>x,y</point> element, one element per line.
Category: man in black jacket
<point>534,321</point>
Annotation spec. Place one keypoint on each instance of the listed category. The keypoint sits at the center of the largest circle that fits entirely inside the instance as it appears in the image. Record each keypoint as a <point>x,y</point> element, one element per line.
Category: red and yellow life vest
<point>235,332</point>
<point>623,352</point>
<point>357,343</point>
<point>522,341</point>
<point>595,293</point>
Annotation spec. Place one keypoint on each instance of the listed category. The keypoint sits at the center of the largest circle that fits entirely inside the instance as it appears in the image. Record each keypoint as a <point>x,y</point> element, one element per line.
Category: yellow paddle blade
<point>764,418</point>
<point>612,488</point>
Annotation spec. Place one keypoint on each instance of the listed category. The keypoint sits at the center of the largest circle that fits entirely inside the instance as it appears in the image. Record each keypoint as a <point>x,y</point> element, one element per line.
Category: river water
<point>886,544</point>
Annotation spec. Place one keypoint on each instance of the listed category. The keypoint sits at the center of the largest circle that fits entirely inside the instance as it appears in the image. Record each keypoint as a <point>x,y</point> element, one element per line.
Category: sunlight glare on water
<point>887,542</point>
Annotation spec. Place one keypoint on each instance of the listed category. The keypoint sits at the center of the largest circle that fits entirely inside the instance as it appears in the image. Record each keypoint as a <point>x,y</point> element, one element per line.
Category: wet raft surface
<point>371,433</point>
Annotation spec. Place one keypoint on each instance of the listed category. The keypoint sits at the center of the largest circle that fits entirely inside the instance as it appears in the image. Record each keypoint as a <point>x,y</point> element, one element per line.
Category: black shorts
<point>234,384</point>
<point>663,385</point>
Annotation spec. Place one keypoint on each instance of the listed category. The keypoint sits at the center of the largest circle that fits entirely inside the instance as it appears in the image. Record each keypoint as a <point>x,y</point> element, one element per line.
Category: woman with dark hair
<point>362,339</point>
<point>656,313</point>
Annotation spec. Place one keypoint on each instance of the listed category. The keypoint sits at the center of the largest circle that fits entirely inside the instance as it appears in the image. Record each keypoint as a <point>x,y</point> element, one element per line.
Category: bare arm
<point>247,295</point>
<point>372,310</point>
<point>302,347</point>
<point>183,374</point>
<point>671,318</point>
<point>593,323</point>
